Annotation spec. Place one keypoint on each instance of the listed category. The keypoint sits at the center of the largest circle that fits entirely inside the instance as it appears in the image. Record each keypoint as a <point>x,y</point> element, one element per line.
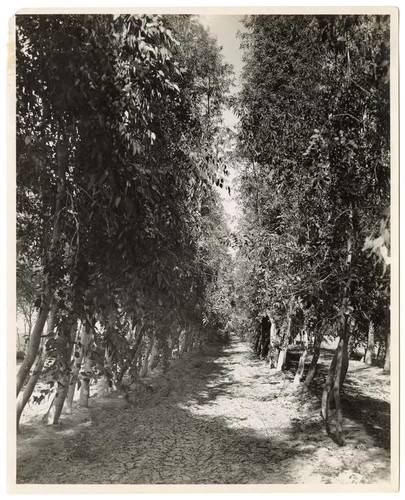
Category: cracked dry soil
<point>219,417</point>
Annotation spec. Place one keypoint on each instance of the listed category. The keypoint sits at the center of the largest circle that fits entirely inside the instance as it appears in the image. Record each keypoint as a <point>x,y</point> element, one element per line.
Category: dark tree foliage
<point>117,212</point>
<point>314,186</point>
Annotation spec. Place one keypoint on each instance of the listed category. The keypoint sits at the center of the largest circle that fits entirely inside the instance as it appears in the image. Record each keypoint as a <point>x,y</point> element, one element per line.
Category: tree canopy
<point>314,185</point>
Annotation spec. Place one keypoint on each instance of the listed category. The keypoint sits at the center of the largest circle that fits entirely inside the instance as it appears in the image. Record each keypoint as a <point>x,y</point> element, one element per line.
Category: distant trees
<point>117,215</point>
<point>314,185</point>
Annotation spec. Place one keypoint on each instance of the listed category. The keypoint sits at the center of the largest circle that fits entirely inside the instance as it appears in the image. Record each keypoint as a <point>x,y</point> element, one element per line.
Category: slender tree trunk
<point>387,360</point>
<point>262,341</point>
<point>120,376</point>
<point>314,360</point>
<point>284,345</point>
<point>329,385</point>
<point>345,360</point>
<point>23,400</point>
<point>301,366</point>
<point>35,337</point>
<point>269,357</point>
<point>273,334</point>
<point>76,364</point>
<point>336,391</point>
<point>85,379</point>
<point>29,388</point>
<point>340,362</point>
<point>133,362</point>
<point>55,410</point>
<point>84,339</point>
<point>180,343</point>
<point>379,351</point>
<point>281,359</point>
<point>33,346</point>
<point>52,415</point>
<point>334,383</point>
<point>265,334</point>
<point>265,348</point>
<point>341,370</point>
<point>368,359</point>
<point>145,364</point>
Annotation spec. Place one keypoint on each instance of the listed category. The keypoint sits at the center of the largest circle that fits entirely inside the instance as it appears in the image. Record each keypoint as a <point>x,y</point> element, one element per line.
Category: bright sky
<point>225,28</point>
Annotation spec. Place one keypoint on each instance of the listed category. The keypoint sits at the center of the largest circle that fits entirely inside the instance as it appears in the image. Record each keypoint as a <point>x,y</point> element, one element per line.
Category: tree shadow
<point>179,437</point>
<point>370,412</point>
<point>374,414</point>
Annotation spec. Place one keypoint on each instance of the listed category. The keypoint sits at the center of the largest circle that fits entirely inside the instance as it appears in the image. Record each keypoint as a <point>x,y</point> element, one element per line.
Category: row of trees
<point>315,189</point>
<point>119,225</point>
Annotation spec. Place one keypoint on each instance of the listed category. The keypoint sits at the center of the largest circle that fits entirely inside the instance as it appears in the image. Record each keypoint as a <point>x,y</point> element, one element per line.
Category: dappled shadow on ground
<point>364,397</point>
<point>372,413</point>
<point>214,418</point>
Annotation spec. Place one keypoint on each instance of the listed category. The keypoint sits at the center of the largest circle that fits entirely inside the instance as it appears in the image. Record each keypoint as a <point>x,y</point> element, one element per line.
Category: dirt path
<point>216,418</point>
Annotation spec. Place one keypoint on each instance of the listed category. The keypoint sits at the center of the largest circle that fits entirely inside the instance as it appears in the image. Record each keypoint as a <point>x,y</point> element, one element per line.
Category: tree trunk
<point>262,341</point>
<point>282,355</point>
<point>175,343</point>
<point>341,370</point>
<point>266,336</point>
<point>387,360</point>
<point>281,359</point>
<point>54,412</point>
<point>145,364</point>
<point>33,346</point>
<point>169,344</point>
<point>35,337</point>
<point>108,375</point>
<point>314,360</point>
<point>133,361</point>
<point>52,415</point>
<point>273,334</point>
<point>329,385</point>
<point>38,366</point>
<point>368,359</point>
<point>340,362</point>
<point>179,344</point>
<point>301,366</point>
<point>345,361</point>
<point>265,348</point>
<point>85,379</point>
<point>84,338</point>
<point>334,383</point>
<point>379,351</point>
<point>29,388</point>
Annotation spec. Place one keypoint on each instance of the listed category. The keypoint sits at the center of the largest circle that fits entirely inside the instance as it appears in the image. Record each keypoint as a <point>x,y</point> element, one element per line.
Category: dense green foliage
<point>314,186</point>
<point>119,121</point>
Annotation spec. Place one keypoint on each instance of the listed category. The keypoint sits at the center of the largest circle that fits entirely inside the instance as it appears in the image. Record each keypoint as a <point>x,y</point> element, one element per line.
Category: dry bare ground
<point>216,417</point>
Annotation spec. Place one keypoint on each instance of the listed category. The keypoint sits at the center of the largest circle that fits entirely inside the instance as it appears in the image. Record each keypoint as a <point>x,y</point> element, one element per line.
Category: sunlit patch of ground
<point>221,416</point>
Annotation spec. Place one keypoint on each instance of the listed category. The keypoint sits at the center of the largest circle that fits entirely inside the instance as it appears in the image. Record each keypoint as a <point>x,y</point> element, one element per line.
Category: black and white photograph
<point>206,263</point>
